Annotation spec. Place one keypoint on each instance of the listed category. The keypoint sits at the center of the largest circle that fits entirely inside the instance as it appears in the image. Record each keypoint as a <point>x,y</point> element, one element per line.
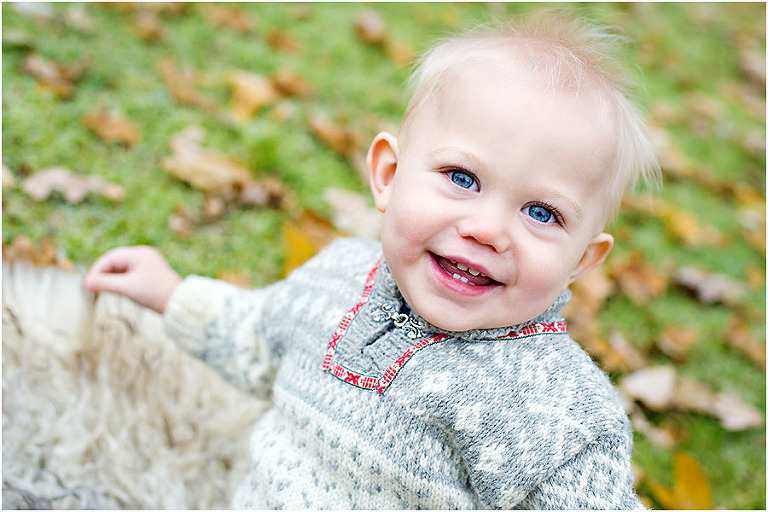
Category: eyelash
<point>542,204</point>
<point>552,209</point>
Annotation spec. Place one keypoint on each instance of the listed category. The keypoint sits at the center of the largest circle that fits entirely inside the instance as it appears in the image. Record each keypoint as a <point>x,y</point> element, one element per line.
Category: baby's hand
<point>139,273</point>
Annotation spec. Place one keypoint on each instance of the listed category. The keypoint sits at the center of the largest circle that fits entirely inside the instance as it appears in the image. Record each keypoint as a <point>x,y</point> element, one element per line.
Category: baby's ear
<point>382,164</point>
<point>594,255</point>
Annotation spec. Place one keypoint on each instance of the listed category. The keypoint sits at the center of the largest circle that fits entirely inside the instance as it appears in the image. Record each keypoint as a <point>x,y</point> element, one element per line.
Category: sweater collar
<point>387,302</point>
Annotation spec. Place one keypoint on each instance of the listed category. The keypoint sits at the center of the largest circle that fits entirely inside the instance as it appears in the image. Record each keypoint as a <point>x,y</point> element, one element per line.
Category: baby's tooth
<point>473,272</point>
<point>461,266</point>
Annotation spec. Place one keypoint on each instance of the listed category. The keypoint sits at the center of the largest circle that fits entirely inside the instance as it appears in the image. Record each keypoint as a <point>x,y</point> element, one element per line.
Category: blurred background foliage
<point>231,137</point>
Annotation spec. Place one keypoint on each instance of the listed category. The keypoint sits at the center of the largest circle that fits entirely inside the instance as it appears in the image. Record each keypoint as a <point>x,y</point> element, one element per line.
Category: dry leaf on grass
<point>250,93</point>
<point>181,222</point>
<point>738,335</point>
<point>236,277</point>
<point>710,288</point>
<point>181,82</point>
<point>659,388</point>
<point>9,180</point>
<point>340,138</point>
<point>691,489</point>
<point>45,253</point>
<point>683,226</point>
<point>288,83</point>
<point>112,127</point>
<point>203,169</point>
<point>637,279</point>
<point>74,187</point>
<point>55,77</point>
<point>353,214</point>
<point>370,28</point>
<point>303,237</point>
<point>229,17</point>
<point>676,341</point>
<point>282,41</point>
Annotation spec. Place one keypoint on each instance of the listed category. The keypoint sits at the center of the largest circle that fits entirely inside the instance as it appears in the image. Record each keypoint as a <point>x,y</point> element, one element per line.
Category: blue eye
<point>540,214</point>
<point>463,179</point>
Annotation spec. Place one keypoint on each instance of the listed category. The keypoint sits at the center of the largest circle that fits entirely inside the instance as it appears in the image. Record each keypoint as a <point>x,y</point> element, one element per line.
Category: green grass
<point>683,49</point>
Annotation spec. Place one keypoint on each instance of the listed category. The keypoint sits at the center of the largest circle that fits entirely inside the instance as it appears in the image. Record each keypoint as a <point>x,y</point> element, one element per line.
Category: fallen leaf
<point>370,27</point>
<point>77,17</point>
<point>45,253</point>
<point>288,83</point>
<point>341,139</point>
<point>402,54</point>
<point>267,192</point>
<point>353,214</point>
<point>147,24</point>
<point>235,277</point>
<point>589,293</point>
<point>303,237</point>
<point>60,79</point>
<point>710,288</point>
<point>250,93</point>
<point>112,127</point>
<point>203,169</point>
<point>181,83</point>
<point>229,17</point>
<point>653,386</point>
<point>738,335</point>
<point>691,489</point>
<point>735,414</point>
<point>637,279</point>
<point>685,227</point>
<point>74,187</point>
<point>214,207</point>
<point>676,341</point>
<point>9,180</point>
<point>282,41</point>
<point>180,222</point>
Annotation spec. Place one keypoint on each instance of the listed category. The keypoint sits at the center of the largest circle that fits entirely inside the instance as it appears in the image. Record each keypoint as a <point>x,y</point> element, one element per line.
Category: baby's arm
<point>139,273</point>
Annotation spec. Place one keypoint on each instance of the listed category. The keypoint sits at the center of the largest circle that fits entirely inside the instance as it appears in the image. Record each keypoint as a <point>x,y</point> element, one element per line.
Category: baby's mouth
<point>462,273</point>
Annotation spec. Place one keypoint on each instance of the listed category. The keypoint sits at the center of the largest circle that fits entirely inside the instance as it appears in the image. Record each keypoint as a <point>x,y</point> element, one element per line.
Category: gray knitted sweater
<point>375,408</point>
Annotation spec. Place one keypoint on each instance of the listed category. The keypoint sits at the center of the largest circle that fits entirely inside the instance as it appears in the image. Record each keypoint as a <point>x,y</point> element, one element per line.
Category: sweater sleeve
<point>597,478</point>
<point>222,325</point>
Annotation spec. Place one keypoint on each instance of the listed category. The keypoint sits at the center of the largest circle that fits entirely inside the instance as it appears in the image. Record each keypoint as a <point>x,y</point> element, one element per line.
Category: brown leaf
<point>653,386</point>
<point>57,78</point>
<point>738,335</point>
<point>250,93</point>
<point>74,187</point>
<point>288,83</point>
<point>341,139</point>
<point>235,277</point>
<point>691,489</point>
<point>685,227</point>
<point>676,341</point>
<point>303,237</point>
<point>181,223</point>
<point>370,28</point>
<point>229,17</point>
<point>204,170</point>
<point>267,192</point>
<point>147,24</point>
<point>402,54</point>
<point>45,253</point>
<point>181,83</point>
<point>638,280</point>
<point>112,127</point>
<point>710,288</point>
<point>588,296</point>
<point>735,414</point>
<point>282,41</point>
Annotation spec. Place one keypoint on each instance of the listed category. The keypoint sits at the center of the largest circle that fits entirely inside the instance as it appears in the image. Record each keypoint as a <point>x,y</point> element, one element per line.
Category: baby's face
<point>492,201</point>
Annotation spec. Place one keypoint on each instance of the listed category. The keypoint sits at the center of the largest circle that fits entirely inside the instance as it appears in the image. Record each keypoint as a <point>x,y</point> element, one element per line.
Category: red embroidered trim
<point>381,384</point>
<point>344,325</point>
<point>534,329</point>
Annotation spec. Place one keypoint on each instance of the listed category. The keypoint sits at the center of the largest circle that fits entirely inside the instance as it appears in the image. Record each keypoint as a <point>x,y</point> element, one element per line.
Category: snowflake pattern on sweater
<point>518,417</point>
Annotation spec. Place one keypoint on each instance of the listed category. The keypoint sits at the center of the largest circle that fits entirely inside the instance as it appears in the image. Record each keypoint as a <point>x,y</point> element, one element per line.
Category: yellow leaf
<point>303,237</point>
<point>691,489</point>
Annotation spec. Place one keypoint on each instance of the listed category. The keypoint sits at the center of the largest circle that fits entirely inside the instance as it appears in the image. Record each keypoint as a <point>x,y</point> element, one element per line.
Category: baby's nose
<point>489,226</point>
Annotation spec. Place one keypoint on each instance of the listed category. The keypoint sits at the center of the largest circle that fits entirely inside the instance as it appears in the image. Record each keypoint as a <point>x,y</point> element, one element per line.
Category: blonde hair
<point>564,53</point>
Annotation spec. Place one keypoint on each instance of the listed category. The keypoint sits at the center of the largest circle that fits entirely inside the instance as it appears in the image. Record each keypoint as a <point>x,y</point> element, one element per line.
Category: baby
<point>434,370</point>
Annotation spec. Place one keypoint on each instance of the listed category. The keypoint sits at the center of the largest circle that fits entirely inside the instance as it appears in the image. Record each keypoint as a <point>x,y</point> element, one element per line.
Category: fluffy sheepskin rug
<point>102,410</point>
